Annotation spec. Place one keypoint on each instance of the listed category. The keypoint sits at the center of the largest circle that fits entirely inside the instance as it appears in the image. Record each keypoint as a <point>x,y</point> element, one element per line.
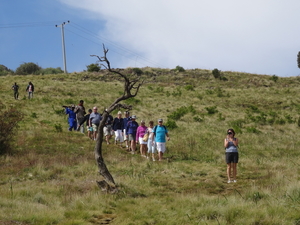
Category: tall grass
<point>51,176</point>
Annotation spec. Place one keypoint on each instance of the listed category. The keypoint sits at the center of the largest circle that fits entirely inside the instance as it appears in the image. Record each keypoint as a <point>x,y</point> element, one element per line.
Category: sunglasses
<point>229,133</point>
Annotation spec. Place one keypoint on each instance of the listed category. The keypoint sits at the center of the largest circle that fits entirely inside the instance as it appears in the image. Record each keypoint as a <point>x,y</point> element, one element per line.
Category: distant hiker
<point>159,135</point>
<point>94,121</point>
<point>125,122</point>
<point>117,127</point>
<point>86,119</point>
<point>140,132</point>
<point>107,129</point>
<point>131,128</point>
<point>151,142</point>
<point>30,90</point>
<point>80,112</point>
<point>15,87</point>
<point>72,117</point>
<point>232,155</point>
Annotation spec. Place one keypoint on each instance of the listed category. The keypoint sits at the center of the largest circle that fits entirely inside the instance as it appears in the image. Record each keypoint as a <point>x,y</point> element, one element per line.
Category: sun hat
<point>133,117</point>
<point>119,112</point>
<point>160,120</point>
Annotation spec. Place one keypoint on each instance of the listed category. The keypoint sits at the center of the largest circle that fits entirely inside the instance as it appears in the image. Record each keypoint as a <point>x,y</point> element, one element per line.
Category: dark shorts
<point>131,137</point>
<point>232,157</point>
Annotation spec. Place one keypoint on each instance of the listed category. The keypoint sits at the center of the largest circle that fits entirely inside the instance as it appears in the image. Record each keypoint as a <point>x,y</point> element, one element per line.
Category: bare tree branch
<point>131,89</point>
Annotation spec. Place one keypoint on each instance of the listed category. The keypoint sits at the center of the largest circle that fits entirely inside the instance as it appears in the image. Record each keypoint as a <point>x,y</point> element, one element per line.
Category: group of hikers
<point>125,130</point>
<point>29,89</point>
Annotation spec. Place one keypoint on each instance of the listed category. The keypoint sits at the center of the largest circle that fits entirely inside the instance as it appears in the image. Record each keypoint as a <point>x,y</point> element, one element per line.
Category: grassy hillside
<point>50,177</point>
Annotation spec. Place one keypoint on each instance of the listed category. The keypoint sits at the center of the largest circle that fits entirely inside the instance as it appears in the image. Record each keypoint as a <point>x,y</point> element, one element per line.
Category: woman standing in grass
<point>232,155</point>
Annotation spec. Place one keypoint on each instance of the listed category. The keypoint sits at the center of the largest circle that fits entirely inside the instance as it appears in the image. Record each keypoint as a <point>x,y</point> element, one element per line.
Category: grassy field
<point>50,176</point>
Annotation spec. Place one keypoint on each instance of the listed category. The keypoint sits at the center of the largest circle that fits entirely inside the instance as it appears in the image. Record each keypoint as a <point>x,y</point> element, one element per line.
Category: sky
<point>252,36</point>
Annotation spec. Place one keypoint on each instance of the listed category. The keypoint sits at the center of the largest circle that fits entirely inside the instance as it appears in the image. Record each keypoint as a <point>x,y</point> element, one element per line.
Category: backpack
<point>154,129</point>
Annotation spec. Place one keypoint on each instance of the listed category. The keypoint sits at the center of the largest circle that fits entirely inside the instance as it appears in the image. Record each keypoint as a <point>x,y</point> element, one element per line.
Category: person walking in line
<point>80,112</point>
<point>30,90</point>
<point>231,155</point>
<point>72,117</point>
<point>107,129</point>
<point>94,121</point>
<point>151,146</point>
<point>118,127</point>
<point>15,87</point>
<point>125,122</point>
<point>86,119</point>
<point>159,135</point>
<point>132,126</point>
<point>141,131</point>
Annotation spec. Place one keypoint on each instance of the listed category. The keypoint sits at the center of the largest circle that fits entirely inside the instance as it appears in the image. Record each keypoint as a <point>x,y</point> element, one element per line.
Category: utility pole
<point>63,44</point>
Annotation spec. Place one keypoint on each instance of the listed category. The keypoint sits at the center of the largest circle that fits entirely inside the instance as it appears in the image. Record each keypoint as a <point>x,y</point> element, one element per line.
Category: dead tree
<point>131,88</point>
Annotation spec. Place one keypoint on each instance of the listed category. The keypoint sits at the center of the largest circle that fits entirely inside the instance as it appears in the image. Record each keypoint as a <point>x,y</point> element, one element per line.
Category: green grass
<point>50,176</point>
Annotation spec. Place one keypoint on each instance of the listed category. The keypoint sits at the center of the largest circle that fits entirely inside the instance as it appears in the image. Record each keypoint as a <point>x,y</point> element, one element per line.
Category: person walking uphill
<point>160,132</point>
<point>232,155</point>
<point>15,87</point>
<point>30,90</point>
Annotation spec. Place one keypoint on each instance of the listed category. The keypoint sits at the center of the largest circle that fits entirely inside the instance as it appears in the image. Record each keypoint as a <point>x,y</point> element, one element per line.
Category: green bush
<point>94,67</point>
<point>137,71</point>
<point>28,68</point>
<point>189,87</point>
<point>5,71</point>
<point>51,70</point>
<point>171,124</point>
<point>179,69</point>
<point>216,73</point>
<point>274,78</point>
<point>211,110</point>
<point>180,112</point>
<point>9,120</point>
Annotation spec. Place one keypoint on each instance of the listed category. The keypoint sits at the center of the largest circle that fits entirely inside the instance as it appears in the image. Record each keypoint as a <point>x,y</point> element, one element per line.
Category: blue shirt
<point>160,133</point>
<point>71,113</point>
<point>95,118</point>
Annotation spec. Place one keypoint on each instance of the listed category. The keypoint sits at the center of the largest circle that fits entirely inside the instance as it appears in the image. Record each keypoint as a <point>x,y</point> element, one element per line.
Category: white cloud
<point>251,36</point>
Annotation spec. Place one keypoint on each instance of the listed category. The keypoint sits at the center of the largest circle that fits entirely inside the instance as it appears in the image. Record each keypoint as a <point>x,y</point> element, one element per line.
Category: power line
<point>98,37</point>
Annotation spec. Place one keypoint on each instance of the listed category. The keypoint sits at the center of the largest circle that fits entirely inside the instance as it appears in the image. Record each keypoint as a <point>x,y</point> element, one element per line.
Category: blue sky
<point>256,36</point>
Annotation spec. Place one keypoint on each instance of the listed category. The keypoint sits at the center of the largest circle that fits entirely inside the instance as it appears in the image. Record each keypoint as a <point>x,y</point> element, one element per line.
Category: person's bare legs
<point>160,156</point>
<point>228,171</point>
<point>234,171</point>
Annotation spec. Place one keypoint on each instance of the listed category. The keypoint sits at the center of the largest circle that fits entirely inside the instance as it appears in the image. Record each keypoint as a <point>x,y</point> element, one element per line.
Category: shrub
<point>179,69</point>
<point>4,70</point>
<point>216,73</point>
<point>137,71</point>
<point>274,78</point>
<point>189,87</point>
<point>51,70</point>
<point>171,124</point>
<point>180,112</point>
<point>211,110</point>
<point>9,120</point>
<point>94,67</point>
<point>28,68</point>
<point>177,92</point>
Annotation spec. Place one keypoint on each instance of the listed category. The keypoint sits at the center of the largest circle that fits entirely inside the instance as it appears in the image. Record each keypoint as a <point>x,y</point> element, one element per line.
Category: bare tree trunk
<point>108,184</point>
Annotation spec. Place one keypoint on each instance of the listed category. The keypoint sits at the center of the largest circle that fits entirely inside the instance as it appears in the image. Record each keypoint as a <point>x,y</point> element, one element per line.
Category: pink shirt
<point>140,132</point>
